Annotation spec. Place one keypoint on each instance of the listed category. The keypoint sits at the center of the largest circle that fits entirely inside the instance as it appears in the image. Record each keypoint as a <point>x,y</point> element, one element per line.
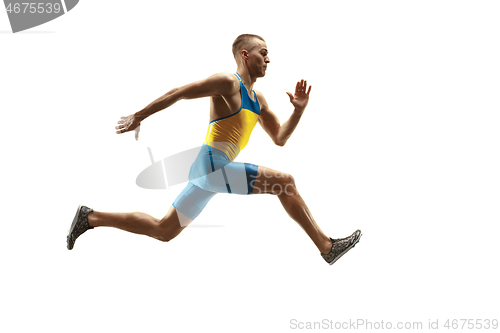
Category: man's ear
<point>244,54</point>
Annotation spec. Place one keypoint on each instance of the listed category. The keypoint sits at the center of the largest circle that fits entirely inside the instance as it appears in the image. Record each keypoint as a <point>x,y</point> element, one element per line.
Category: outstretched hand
<point>300,99</point>
<point>127,124</point>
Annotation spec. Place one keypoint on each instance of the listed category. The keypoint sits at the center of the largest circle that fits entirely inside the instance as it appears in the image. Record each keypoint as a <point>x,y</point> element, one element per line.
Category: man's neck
<point>246,78</point>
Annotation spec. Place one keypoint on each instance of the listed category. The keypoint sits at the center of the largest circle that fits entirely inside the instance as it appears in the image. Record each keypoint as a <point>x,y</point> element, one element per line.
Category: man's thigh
<point>269,181</point>
<point>190,202</point>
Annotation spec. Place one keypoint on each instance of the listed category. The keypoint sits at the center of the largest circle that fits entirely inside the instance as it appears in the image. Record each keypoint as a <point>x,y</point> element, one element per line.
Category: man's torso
<point>232,119</point>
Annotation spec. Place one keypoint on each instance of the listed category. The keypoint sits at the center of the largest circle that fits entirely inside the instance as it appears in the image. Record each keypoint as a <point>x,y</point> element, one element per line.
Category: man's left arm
<point>270,123</point>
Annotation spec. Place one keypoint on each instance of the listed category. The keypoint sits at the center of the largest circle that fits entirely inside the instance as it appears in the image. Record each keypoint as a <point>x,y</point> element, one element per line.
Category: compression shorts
<point>213,172</point>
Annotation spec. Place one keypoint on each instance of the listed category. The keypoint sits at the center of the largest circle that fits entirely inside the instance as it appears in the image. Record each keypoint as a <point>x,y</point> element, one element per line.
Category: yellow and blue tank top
<point>230,134</point>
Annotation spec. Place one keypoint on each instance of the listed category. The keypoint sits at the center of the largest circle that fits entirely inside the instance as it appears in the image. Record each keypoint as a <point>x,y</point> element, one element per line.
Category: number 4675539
<point>27,7</point>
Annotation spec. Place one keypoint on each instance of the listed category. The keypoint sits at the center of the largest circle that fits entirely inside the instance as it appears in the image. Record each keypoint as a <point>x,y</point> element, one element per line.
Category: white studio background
<point>400,140</point>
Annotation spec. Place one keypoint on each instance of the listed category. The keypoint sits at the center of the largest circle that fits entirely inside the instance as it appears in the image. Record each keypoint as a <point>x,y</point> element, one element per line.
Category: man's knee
<point>286,185</point>
<point>166,235</point>
<point>290,188</point>
<point>165,238</point>
<point>288,179</point>
<point>168,228</point>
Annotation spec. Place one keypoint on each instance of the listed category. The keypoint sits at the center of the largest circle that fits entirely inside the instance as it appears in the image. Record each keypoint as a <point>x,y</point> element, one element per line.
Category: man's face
<point>258,59</point>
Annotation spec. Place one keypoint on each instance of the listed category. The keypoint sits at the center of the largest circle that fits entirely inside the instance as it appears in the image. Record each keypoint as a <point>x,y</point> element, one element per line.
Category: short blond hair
<point>244,42</point>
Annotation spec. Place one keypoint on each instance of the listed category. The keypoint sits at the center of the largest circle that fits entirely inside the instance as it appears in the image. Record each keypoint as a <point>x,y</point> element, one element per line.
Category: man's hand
<point>300,99</point>
<point>127,124</point>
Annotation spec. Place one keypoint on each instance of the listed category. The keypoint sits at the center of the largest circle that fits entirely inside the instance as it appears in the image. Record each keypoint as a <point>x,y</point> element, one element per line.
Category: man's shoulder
<point>226,81</point>
<point>260,98</point>
<point>225,77</point>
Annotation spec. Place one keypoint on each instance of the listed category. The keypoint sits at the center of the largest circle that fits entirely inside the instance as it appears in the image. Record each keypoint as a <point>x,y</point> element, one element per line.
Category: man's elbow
<point>173,94</point>
<point>279,143</point>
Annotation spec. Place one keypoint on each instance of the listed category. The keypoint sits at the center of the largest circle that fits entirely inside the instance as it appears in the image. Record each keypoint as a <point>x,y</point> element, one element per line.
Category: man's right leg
<point>165,229</point>
<point>269,181</point>
<point>283,186</point>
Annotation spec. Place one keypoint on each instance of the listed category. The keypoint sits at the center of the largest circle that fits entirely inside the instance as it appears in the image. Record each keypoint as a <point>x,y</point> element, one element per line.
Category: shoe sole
<point>75,220</point>
<point>346,250</point>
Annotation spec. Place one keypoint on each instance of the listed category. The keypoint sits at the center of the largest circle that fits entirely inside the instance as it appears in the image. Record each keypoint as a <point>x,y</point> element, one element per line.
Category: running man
<point>235,109</point>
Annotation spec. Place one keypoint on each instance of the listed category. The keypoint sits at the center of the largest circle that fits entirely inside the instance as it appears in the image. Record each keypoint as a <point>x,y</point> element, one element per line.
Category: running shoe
<point>79,226</point>
<point>341,246</point>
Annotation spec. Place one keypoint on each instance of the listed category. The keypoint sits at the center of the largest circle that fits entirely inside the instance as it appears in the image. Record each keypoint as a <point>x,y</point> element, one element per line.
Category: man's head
<point>250,51</point>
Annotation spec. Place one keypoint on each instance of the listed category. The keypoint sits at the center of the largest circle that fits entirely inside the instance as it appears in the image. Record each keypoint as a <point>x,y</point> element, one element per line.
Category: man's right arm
<point>216,85</point>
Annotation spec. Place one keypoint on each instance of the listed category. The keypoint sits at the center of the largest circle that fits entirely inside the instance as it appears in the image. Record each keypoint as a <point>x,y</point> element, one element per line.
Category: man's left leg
<point>186,207</point>
<point>139,223</point>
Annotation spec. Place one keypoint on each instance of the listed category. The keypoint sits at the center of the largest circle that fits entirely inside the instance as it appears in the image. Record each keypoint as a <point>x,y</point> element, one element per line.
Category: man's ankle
<point>327,246</point>
<point>92,219</point>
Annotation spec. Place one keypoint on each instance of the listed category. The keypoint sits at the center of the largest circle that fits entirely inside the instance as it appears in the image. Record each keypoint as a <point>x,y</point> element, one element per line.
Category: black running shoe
<point>79,226</point>
<point>341,246</point>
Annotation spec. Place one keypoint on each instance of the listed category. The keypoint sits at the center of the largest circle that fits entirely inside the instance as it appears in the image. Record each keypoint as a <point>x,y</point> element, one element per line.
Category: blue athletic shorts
<point>213,172</point>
